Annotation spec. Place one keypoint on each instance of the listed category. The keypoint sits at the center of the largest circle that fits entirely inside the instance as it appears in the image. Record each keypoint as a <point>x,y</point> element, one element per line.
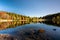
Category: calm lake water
<point>50,30</point>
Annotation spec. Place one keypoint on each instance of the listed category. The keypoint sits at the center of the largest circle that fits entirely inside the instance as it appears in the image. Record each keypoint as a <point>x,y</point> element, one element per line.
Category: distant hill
<point>4,15</point>
<point>50,17</point>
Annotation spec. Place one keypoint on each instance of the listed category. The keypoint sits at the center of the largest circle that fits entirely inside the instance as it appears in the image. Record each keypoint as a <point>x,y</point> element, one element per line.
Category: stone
<point>41,30</point>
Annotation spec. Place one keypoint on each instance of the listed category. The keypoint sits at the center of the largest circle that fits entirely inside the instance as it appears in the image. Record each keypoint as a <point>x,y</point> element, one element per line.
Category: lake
<point>51,32</point>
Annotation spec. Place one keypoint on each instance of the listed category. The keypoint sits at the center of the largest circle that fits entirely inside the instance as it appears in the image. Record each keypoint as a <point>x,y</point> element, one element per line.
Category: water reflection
<point>52,23</point>
<point>4,25</point>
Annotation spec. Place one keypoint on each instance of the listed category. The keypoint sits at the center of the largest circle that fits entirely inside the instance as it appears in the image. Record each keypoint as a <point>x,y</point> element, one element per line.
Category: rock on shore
<point>7,37</point>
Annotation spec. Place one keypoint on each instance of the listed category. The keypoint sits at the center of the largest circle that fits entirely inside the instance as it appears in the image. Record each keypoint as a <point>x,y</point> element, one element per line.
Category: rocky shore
<point>7,37</point>
<point>34,35</point>
<point>28,34</point>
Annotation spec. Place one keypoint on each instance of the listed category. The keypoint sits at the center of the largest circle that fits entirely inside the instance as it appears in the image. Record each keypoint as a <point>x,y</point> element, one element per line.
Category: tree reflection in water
<point>5,25</point>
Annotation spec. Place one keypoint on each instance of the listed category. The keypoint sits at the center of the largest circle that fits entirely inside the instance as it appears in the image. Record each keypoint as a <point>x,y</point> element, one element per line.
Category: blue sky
<point>32,8</point>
